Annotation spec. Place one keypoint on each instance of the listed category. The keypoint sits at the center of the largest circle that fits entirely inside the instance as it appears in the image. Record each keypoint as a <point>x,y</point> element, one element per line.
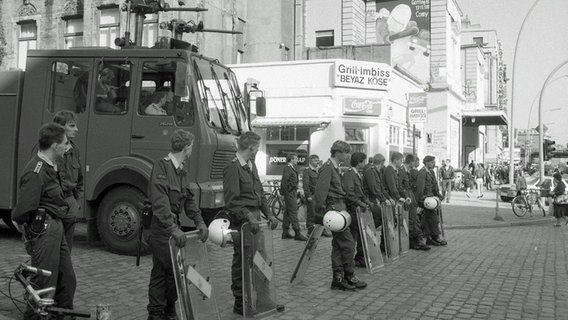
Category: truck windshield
<point>220,96</point>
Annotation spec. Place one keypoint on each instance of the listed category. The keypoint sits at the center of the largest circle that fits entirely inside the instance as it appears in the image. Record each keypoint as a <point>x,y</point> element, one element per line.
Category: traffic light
<point>549,149</point>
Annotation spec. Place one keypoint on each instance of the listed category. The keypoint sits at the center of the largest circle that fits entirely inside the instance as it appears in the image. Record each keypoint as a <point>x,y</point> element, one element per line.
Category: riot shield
<point>259,290</point>
<point>390,232</point>
<point>192,273</point>
<point>441,220</point>
<point>371,243</point>
<point>403,231</point>
<point>306,257</point>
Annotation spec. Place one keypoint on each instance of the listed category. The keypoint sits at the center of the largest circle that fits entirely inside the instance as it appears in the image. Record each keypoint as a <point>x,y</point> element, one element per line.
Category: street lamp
<point>541,132</point>
<point>511,128</point>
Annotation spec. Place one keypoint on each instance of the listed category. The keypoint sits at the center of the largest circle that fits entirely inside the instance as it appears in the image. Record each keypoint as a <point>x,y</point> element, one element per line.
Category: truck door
<point>109,109</point>
<point>159,110</point>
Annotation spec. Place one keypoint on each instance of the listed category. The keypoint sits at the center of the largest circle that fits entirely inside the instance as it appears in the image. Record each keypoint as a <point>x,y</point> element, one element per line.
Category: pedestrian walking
<point>560,199</point>
<point>479,174</point>
<point>355,198</point>
<point>467,179</point>
<point>289,189</point>
<point>244,200</point>
<point>330,195</point>
<point>426,186</point>
<point>170,194</point>
<point>446,176</point>
<point>70,173</point>
<point>40,210</point>
<point>407,186</point>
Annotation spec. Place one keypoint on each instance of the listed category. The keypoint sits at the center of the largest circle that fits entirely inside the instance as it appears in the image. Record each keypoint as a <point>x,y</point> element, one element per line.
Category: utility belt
<point>68,193</point>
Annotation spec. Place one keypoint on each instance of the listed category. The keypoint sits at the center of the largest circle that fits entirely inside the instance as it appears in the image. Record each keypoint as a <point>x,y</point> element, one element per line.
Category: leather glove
<point>254,227</point>
<point>203,232</point>
<point>408,201</point>
<point>179,237</point>
<point>273,222</point>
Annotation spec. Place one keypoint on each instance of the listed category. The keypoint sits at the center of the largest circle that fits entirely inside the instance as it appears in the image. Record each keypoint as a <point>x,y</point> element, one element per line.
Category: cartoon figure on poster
<point>410,44</point>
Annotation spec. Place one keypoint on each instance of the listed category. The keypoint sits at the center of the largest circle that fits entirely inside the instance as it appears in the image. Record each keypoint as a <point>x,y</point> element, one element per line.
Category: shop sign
<point>362,107</point>
<point>362,75</point>
<point>417,108</point>
<point>276,156</point>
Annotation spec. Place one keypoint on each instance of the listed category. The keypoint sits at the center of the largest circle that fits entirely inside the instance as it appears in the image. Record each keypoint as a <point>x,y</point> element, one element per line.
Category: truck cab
<point>127,102</point>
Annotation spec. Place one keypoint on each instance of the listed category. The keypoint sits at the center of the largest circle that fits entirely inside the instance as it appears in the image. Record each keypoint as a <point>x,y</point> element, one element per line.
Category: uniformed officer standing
<point>330,195</point>
<point>417,240</point>
<point>427,186</point>
<point>356,198</point>
<point>169,191</point>
<point>309,179</point>
<point>392,180</point>
<point>71,173</point>
<point>40,188</point>
<point>244,199</point>
<point>289,189</point>
<point>374,188</point>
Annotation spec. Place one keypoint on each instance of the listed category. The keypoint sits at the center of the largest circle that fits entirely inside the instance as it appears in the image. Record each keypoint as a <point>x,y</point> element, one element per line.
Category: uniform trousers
<point>70,219</point>
<point>342,245</point>
<point>310,214</point>
<point>356,235</point>
<point>49,251</point>
<point>291,212</point>
<point>430,223</point>
<point>162,292</point>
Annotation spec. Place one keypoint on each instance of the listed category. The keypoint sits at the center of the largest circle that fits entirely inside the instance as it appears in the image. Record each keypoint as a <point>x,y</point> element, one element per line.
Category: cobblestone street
<point>491,273</point>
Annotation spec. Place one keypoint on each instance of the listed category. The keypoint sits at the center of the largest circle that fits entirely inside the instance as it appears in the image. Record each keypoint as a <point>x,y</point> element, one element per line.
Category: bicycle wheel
<point>520,207</point>
<point>277,207</point>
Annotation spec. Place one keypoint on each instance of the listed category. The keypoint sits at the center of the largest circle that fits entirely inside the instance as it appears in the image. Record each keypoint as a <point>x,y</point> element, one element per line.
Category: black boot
<point>156,315</point>
<point>299,236</point>
<point>420,244</point>
<point>286,234</point>
<point>339,283</point>
<point>353,280</point>
<point>238,307</point>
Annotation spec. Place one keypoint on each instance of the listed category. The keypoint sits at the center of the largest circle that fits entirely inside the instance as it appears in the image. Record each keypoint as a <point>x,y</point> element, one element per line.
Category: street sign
<point>417,108</point>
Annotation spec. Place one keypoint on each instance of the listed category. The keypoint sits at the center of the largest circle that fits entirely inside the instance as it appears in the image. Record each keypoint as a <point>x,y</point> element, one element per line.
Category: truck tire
<point>119,220</point>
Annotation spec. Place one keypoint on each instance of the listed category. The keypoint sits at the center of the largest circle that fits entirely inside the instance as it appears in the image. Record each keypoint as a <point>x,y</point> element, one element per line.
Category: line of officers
<point>51,188</point>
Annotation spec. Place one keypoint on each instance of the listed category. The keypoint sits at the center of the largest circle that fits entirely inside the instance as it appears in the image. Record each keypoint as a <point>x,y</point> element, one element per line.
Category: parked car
<point>509,191</point>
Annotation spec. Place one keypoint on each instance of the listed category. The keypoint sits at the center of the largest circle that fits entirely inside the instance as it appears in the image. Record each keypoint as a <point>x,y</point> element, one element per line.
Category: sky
<point>543,45</point>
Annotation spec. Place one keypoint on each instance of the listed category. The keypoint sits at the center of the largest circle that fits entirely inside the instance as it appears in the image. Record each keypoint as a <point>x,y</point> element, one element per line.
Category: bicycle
<point>43,307</point>
<point>276,201</point>
<point>524,202</point>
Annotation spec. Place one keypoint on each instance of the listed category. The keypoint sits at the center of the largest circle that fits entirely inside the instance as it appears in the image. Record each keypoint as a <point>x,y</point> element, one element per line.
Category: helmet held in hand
<point>336,221</point>
<point>220,232</point>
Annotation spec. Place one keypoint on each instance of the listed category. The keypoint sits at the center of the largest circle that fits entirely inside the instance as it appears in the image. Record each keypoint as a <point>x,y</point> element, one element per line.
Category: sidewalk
<point>470,213</point>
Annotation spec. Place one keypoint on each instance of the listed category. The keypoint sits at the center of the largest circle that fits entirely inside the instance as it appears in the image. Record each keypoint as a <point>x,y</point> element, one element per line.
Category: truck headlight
<point>219,201</point>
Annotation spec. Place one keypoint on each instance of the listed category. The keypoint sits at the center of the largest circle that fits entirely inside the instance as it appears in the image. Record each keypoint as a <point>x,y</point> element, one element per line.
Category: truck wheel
<point>119,222</point>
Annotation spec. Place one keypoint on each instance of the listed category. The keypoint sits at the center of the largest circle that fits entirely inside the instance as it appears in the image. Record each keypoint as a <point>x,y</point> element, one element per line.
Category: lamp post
<point>541,132</point>
<point>511,128</point>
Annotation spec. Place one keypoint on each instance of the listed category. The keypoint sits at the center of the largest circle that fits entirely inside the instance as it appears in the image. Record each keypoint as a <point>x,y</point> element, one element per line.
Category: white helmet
<point>336,221</point>
<point>431,203</point>
<point>219,232</point>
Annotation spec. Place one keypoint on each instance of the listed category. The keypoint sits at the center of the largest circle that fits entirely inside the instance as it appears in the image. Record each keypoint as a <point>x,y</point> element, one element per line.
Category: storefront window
<point>273,134</point>
<point>394,135</point>
<point>302,134</point>
<point>357,138</point>
<point>287,134</point>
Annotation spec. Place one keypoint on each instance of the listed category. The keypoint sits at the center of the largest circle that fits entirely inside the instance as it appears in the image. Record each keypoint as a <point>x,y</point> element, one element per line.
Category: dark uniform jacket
<point>71,173</point>
<point>353,186</point>
<point>373,184</point>
<point>426,185</point>
<point>309,180</point>
<point>170,193</point>
<point>328,186</point>
<point>406,184</point>
<point>289,184</point>
<point>392,183</point>
<point>40,187</point>
<point>243,190</point>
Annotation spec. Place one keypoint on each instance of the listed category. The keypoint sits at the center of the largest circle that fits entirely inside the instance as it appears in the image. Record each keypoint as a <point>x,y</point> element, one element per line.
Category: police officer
<point>330,195</point>
<point>71,173</point>
<point>427,186</point>
<point>407,185</point>
<point>289,189</point>
<point>309,179</point>
<point>169,192</point>
<point>374,188</point>
<point>40,188</point>
<point>244,199</point>
<point>356,198</point>
<point>392,180</point>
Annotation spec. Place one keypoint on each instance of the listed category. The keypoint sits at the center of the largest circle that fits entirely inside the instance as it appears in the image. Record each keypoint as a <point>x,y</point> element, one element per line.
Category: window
<point>478,40</point>
<point>324,38</point>
<point>113,87</point>
<point>109,25</point>
<point>73,35</point>
<point>288,134</point>
<point>27,40</point>
<point>150,35</point>
<point>394,135</point>
<point>69,86</point>
<point>157,96</point>
<point>357,139</point>
<point>408,138</point>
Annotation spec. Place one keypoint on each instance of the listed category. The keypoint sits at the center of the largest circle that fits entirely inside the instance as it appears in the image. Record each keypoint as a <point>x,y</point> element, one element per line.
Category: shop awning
<point>290,122</point>
<point>475,118</point>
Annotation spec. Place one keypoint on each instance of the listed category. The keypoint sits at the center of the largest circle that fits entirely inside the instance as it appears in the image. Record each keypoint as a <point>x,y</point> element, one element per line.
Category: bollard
<point>497,197</point>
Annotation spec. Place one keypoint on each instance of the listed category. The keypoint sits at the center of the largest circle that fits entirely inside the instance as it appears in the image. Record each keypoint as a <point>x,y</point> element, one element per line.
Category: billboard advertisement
<point>405,25</point>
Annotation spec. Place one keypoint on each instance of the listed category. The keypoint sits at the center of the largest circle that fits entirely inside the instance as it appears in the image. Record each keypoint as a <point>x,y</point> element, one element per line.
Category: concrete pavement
<point>491,273</point>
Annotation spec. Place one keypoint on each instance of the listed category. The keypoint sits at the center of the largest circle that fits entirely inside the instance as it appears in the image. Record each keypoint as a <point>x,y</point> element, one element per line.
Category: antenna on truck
<point>177,26</point>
